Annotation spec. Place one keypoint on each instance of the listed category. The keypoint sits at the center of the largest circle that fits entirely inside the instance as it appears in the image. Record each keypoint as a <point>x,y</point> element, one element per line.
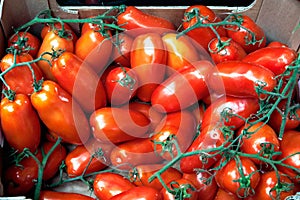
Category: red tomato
<point>19,179</point>
<point>122,49</point>
<point>117,125</point>
<point>52,41</point>
<point>231,180</point>
<point>51,195</point>
<point>78,159</point>
<point>137,193</point>
<point>258,134</point>
<point>132,18</point>
<point>77,78</point>
<point>20,78</point>
<point>121,85</point>
<point>243,37</point>
<point>275,59</point>
<point>95,49</point>
<point>180,51</point>
<point>60,113</point>
<point>20,123</point>
<point>194,14</point>
<point>205,190</point>
<point>54,161</point>
<point>182,89</point>
<point>133,153</point>
<point>289,145</point>
<point>222,195</point>
<point>276,44</point>
<point>238,74</point>
<point>198,110</point>
<point>148,57</point>
<point>144,172</point>
<point>107,185</point>
<point>242,107</point>
<point>225,49</point>
<point>25,41</point>
<point>180,184</point>
<point>267,188</point>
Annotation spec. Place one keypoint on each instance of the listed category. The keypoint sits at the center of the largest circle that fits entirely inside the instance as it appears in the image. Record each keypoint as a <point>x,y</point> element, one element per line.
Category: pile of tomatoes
<point>137,108</point>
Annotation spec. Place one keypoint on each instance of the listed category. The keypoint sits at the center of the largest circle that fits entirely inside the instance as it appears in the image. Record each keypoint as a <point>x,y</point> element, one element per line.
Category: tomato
<point>238,74</point>
<point>19,179</point>
<point>198,110</point>
<point>144,172</point>
<point>20,78</point>
<point>206,190</point>
<point>77,78</point>
<point>181,125</point>
<point>26,42</point>
<point>52,195</point>
<point>243,37</point>
<point>148,57</point>
<point>182,89</point>
<point>60,113</point>
<point>122,49</point>
<point>268,182</point>
<point>20,123</point>
<point>231,180</point>
<point>132,18</point>
<point>121,85</point>
<point>180,51</point>
<point>257,135</point>
<point>242,107</point>
<point>52,41</point>
<point>117,125</point>
<point>179,184</point>
<point>95,48</point>
<point>276,44</point>
<point>89,26</point>
<point>225,49</point>
<point>210,137</point>
<point>289,145</point>
<point>222,195</point>
<point>137,193</point>
<point>133,153</point>
<point>275,59</point>
<point>107,185</point>
<point>78,159</point>
<point>194,14</point>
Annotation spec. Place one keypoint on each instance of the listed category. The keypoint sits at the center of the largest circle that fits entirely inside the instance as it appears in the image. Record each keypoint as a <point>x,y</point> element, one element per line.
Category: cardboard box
<point>278,18</point>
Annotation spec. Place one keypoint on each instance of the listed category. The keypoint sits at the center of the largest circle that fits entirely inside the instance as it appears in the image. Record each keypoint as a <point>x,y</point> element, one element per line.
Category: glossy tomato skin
<point>20,79</point>
<point>80,80</point>
<point>52,41</point>
<point>201,35</point>
<point>231,51</point>
<point>121,84</point>
<point>107,185</point>
<point>122,49</point>
<point>52,195</point>
<point>289,145</point>
<point>144,172</point>
<point>222,195</point>
<point>140,22</point>
<point>276,44</point>
<point>60,113</point>
<point>239,74</point>
<point>182,89</point>
<point>133,153</point>
<point>95,49</point>
<point>20,123</point>
<point>28,42</point>
<point>226,176</point>
<point>239,35</point>
<point>148,58</point>
<point>267,182</point>
<point>78,159</point>
<point>275,59</point>
<point>205,190</point>
<point>115,125</point>
<point>259,133</point>
<point>140,192</point>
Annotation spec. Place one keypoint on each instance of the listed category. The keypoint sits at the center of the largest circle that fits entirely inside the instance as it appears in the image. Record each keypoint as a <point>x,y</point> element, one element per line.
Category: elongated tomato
<point>137,193</point>
<point>52,195</point>
<point>60,113</point>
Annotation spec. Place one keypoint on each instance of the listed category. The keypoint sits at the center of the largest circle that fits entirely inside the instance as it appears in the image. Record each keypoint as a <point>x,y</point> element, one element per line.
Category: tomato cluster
<point>136,109</point>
